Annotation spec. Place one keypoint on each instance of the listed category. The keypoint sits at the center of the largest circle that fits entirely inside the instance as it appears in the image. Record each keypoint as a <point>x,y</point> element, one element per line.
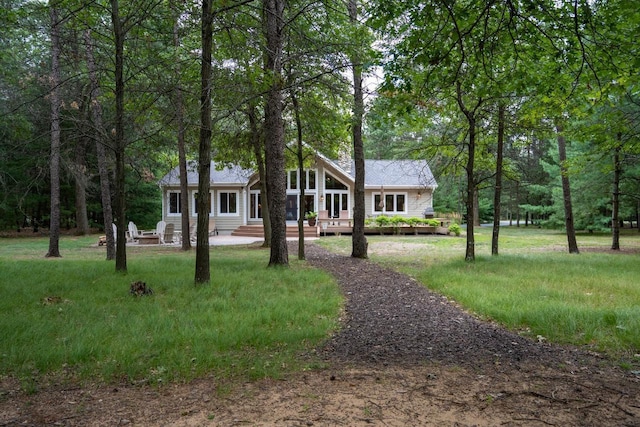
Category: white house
<point>392,187</point>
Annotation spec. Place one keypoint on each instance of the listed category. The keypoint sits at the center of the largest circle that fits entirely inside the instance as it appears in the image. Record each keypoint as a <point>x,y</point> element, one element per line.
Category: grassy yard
<point>534,286</point>
<point>74,316</point>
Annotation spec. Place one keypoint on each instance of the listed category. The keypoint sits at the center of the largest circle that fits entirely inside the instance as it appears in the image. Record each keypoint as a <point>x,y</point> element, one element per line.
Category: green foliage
<point>75,316</point>
<point>455,229</point>
<point>382,221</point>
<point>413,221</point>
<point>397,221</point>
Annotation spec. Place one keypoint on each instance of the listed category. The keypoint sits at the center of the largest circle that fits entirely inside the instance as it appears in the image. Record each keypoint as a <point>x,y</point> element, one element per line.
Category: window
<point>293,180</point>
<point>174,203</point>
<point>391,203</point>
<point>331,183</point>
<point>293,183</point>
<point>195,203</point>
<point>311,182</point>
<point>228,204</point>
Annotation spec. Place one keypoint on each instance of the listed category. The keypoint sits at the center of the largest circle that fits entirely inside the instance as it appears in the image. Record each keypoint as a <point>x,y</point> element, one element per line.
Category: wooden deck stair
<point>258,231</point>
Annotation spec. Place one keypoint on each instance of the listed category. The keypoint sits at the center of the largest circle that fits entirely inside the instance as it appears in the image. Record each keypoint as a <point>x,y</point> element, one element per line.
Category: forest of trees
<point>527,110</point>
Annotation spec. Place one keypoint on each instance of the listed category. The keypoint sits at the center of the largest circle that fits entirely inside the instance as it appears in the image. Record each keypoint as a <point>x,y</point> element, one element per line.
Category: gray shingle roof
<point>388,173</point>
<point>233,176</point>
<point>397,173</point>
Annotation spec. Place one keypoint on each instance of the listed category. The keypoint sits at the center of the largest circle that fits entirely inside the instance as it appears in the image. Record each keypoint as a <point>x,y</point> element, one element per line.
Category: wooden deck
<point>258,231</point>
<point>339,229</point>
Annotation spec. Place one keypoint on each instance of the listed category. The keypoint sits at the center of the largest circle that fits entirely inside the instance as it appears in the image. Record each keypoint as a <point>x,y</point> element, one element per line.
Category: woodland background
<point>527,110</point>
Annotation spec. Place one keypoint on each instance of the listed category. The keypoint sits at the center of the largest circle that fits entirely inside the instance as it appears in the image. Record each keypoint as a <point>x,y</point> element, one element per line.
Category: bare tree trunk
<point>119,143</point>
<point>359,244</point>
<point>273,16</point>
<point>256,143</point>
<point>498,190</point>
<point>615,219</point>
<point>103,168</point>
<point>302,182</point>
<point>203,273</point>
<point>182,156</point>
<point>518,204</point>
<point>476,208</point>
<point>54,227</point>
<point>470,254</point>
<point>80,178</point>
<point>566,192</point>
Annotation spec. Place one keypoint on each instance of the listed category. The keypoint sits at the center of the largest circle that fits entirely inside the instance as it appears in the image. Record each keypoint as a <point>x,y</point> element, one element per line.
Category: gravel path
<point>391,318</point>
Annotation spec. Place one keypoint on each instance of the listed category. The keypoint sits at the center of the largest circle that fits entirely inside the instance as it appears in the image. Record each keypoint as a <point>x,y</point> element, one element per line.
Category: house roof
<point>234,175</point>
<point>379,173</point>
<point>397,173</point>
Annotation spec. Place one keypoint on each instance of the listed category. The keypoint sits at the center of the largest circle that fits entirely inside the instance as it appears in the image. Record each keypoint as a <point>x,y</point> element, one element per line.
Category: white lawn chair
<point>167,235</point>
<point>134,234</point>
<point>160,230</point>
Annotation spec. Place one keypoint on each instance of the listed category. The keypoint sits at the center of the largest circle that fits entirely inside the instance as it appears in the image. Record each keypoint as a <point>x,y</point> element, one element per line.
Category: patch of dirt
<point>404,356</point>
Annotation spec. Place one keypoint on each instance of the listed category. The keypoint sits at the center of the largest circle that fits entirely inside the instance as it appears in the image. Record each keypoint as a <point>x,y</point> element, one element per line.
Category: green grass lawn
<point>74,315</point>
<point>534,286</point>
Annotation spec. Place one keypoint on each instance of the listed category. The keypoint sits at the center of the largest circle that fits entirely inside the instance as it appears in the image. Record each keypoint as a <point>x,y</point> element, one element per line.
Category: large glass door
<point>255,210</point>
<point>292,207</point>
<point>336,196</point>
<point>336,201</point>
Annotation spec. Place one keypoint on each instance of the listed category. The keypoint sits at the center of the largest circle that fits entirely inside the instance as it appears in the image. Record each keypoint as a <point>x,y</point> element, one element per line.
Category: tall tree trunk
<point>566,192</point>
<point>54,227</point>
<point>119,143</point>
<point>359,244</point>
<point>476,208</point>
<point>258,150</point>
<point>498,190</point>
<point>80,178</point>
<point>302,182</point>
<point>273,16</point>
<point>470,254</point>
<point>101,153</point>
<point>615,219</point>
<point>182,155</point>
<point>203,274</point>
<point>517,204</point>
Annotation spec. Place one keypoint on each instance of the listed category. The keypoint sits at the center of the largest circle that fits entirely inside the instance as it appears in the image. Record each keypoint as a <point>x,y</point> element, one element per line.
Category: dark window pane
<point>174,203</point>
<point>233,203</point>
<point>312,180</point>
<point>333,184</point>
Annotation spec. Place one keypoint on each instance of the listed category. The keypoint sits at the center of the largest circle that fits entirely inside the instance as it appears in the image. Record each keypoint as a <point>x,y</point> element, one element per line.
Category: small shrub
<point>382,221</point>
<point>397,221</point>
<point>455,229</point>
<point>413,221</point>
